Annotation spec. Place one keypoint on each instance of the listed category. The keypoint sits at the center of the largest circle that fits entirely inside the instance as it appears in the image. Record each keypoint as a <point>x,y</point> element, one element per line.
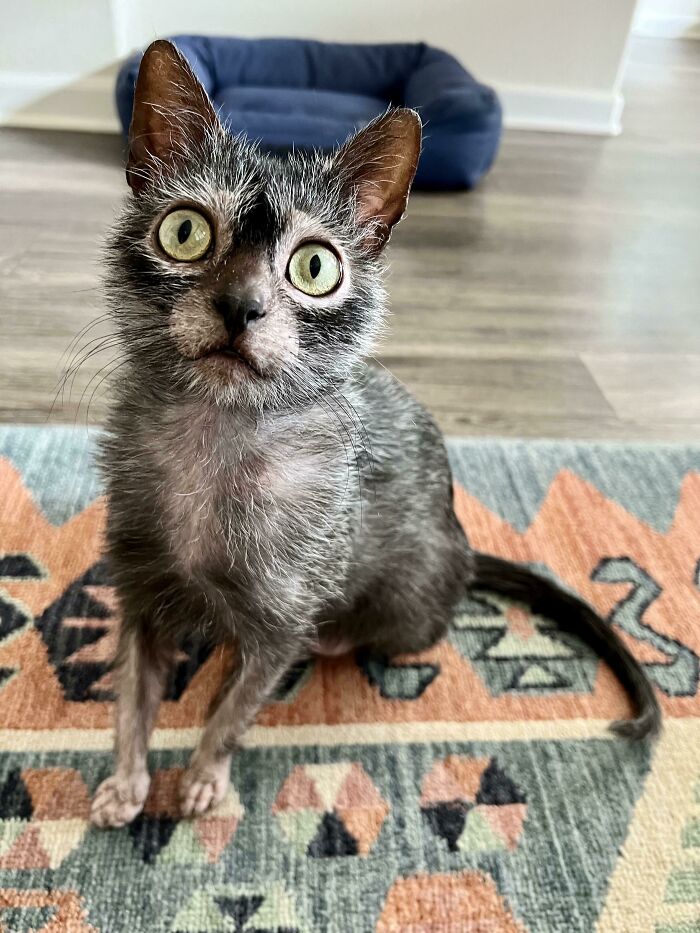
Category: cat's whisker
<point>83,332</point>
<point>345,433</point>
<point>71,372</point>
<point>83,353</point>
<point>107,371</point>
<point>71,375</point>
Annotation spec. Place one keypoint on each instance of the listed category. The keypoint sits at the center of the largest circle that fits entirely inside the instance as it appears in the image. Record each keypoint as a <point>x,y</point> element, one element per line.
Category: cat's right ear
<point>378,164</point>
<point>171,115</point>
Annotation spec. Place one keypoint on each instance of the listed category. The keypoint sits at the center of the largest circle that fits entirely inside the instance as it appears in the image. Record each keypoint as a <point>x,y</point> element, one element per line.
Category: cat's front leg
<point>205,782</point>
<point>141,674</point>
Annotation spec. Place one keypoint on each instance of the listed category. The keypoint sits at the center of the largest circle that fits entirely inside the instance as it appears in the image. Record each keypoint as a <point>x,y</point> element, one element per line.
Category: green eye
<point>185,235</point>
<point>314,269</point>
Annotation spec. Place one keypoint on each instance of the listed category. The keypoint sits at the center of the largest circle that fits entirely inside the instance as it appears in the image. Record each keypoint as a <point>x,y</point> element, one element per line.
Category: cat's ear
<point>379,163</point>
<point>171,114</point>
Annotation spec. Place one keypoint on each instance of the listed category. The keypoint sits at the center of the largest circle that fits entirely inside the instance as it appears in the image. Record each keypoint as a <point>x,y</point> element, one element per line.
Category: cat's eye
<point>185,235</point>
<point>314,269</point>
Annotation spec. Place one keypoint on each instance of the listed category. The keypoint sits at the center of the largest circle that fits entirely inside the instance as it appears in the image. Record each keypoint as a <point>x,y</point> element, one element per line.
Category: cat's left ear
<point>171,114</point>
<point>378,164</point>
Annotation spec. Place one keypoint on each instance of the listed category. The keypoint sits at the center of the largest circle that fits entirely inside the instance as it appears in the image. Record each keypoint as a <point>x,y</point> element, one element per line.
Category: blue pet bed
<point>293,92</point>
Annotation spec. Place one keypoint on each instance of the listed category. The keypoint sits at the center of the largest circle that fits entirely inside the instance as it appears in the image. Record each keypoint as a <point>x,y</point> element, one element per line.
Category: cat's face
<point>253,280</point>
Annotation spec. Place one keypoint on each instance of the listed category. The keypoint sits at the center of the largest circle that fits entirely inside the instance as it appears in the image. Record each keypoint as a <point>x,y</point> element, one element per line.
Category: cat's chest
<point>225,504</point>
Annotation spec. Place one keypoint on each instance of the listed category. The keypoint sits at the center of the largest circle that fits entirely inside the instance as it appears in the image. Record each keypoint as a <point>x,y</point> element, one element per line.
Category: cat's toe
<point>203,788</point>
<point>119,800</point>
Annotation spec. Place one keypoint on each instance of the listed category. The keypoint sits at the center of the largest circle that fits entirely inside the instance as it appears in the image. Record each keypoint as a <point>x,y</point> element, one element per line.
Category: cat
<point>267,488</point>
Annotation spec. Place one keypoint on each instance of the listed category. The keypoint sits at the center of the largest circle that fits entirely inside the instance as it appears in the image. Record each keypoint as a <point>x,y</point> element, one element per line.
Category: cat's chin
<point>227,367</point>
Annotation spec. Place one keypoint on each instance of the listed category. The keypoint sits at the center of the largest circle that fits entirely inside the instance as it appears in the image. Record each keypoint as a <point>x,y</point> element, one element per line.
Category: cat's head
<point>252,279</point>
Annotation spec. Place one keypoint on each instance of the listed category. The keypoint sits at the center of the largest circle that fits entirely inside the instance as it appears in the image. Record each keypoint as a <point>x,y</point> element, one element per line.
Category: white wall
<point>556,63</point>
<point>49,54</point>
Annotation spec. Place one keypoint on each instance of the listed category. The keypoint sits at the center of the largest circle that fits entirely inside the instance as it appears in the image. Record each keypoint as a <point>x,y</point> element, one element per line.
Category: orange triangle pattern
<point>298,793</point>
<point>69,916</point>
<point>57,793</point>
<point>465,901</point>
<point>214,834</point>
<point>506,820</point>
<point>26,852</point>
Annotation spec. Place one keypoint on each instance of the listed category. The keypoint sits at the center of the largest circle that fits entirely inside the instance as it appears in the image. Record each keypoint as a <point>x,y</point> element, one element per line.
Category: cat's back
<point>404,439</point>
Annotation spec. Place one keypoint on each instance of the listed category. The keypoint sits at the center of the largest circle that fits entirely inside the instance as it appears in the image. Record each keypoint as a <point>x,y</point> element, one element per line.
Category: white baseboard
<point>557,111</point>
<point>64,102</point>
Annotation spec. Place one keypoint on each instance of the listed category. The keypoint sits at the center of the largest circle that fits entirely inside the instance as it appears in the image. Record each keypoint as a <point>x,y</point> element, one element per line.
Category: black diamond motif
<point>150,834</point>
<point>14,797</point>
<point>447,820</point>
<point>63,641</point>
<point>291,679</point>
<point>332,839</point>
<point>396,681</point>
<point>78,678</point>
<point>239,909</point>
<point>496,788</point>
<point>19,567</point>
<point>11,617</point>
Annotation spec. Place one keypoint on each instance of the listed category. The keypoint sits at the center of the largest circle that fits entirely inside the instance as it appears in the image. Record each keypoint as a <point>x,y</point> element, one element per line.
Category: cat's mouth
<point>228,363</point>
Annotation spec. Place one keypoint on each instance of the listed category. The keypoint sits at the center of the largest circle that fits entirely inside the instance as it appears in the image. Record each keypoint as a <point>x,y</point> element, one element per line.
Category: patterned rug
<point>471,788</point>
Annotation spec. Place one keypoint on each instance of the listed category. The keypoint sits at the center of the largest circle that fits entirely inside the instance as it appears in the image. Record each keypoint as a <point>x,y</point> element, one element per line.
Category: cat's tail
<point>546,598</point>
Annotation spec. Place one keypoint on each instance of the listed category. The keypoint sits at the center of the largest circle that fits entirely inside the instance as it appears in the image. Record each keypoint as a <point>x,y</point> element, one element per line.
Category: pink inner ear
<point>171,113</point>
<point>379,162</point>
<point>371,205</point>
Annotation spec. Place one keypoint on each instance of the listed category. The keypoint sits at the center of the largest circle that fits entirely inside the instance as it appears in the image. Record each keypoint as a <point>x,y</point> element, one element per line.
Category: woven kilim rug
<point>471,788</point>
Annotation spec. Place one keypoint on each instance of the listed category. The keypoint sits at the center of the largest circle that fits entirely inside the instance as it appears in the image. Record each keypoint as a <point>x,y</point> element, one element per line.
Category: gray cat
<point>268,488</point>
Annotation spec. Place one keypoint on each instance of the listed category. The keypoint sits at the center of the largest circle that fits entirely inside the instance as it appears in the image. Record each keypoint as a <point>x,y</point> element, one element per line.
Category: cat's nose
<point>239,307</point>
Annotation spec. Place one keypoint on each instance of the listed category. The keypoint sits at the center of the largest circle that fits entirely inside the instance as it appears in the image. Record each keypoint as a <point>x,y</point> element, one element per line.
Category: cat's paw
<point>119,799</point>
<point>204,785</point>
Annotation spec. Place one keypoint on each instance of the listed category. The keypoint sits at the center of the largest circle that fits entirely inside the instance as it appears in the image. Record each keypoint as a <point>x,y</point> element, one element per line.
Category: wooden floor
<point>560,299</point>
